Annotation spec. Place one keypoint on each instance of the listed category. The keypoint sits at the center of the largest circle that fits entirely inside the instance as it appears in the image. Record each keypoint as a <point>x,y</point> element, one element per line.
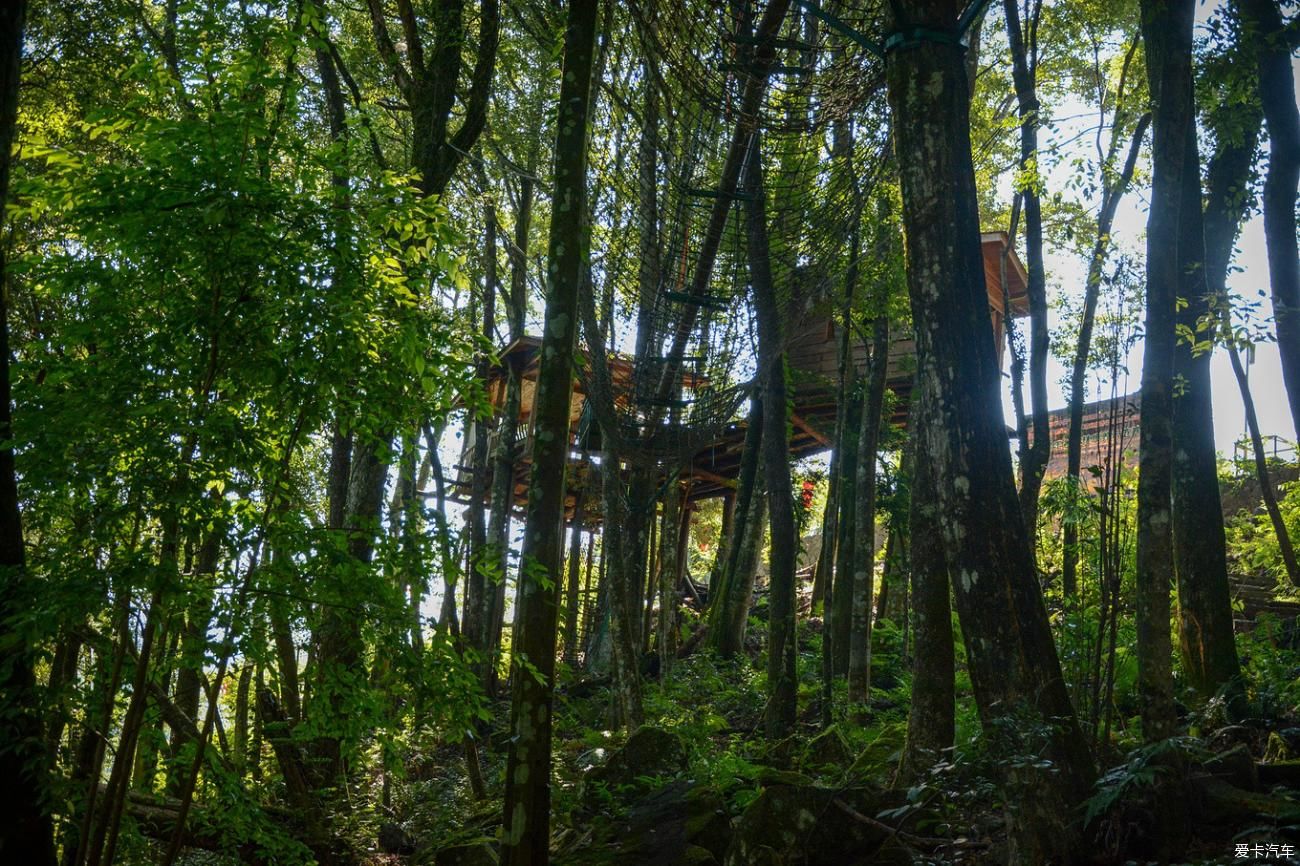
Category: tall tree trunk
<point>526,839</point>
<point>1166,31</point>
<point>1206,639</point>
<point>26,832</point>
<point>729,602</point>
<point>476,583</point>
<point>1112,192</point>
<point>1227,197</point>
<point>193,652</point>
<point>504,456</point>
<point>931,722</point>
<point>1024,72</point>
<point>575,563</point>
<point>864,558</point>
<point>1264,28</point>
<point>669,548</point>
<point>1013,663</point>
<point>781,654</point>
<point>618,591</point>
<point>847,539</point>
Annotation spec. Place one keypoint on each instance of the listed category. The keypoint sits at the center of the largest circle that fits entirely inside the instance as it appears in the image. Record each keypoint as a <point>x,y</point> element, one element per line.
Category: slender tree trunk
<point>526,838</point>
<point>1226,201</point>
<point>1267,491</point>
<point>575,564</point>
<point>846,543</point>
<point>931,723</point>
<point>781,653</point>
<point>193,651</point>
<point>26,832</point>
<point>476,583</point>
<point>1264,28</point>
<point>1111,195</point>
<point>614,560</point>
<point>729,605</point>
<point>668,578</point>
<point>1024,72</point>
<point>1166,30</point>
<point>503,456</point>
<point>864,559</point>
<point>1013,663</point>
<point>1207,642</point>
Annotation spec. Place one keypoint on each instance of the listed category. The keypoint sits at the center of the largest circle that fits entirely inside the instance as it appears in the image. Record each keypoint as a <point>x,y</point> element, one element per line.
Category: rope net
<point>670,257</point>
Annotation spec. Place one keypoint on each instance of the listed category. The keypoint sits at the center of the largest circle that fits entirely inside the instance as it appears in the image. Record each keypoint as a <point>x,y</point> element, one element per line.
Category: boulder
<point>810,825</point>
<point>1236,767</point>
<point>648,753</point>
<point>679,824</point>
<point>393,839</point>
<point>827,750</point>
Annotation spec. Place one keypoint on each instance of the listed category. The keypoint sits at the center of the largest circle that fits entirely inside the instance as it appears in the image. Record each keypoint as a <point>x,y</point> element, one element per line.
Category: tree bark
<point>26,832</point>
<point>781,653</point>
<point>847,540</point>
<point>1206,638</point>
<point>575,563</point>
<point>1013,663</point>
<point>931,722</point>
<point>729,605</point>
<point>526,838</point>
<point>864,559</point>
<point>669,545</point>
<point>1166,31</point>
<point>1024,71</point>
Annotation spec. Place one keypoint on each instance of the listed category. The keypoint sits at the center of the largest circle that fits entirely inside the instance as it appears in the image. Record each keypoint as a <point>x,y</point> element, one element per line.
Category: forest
<point>472,432</point>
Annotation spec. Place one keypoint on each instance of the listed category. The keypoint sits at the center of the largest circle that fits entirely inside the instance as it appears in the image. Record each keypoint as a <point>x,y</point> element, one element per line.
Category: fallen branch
<point>929,842</point>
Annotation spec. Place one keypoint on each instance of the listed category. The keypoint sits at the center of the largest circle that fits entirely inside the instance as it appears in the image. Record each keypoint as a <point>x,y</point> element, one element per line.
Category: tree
<point>1264,29</point>
<point>781,653</point>
<point>1166,32</point>
<point>1035,450</point>
<point>985,542</point>
<point>26,832</point>
<point>1113,188</point>
<point>527,836</point>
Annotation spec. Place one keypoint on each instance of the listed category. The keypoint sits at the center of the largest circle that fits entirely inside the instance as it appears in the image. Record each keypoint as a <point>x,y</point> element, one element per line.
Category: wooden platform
<point>813,355</point>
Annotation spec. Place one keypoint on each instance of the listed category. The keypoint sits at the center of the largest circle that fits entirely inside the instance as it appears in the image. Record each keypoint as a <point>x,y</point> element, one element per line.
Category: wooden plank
<point>803,425</point>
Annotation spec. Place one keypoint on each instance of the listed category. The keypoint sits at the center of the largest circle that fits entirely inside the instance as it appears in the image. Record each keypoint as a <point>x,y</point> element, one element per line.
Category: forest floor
<point>700,784</point>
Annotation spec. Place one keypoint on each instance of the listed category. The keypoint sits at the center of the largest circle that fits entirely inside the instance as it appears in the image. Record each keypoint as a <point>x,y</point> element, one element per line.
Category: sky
<point>1067,272</point>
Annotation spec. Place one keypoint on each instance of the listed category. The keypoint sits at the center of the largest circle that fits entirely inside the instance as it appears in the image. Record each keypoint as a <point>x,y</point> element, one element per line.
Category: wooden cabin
<point>814,360</point>
<point>814,363</point>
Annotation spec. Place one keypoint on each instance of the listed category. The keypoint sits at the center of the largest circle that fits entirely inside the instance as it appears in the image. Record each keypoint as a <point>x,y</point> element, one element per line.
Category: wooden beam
<point>709,476</point>
<point>803,425</point>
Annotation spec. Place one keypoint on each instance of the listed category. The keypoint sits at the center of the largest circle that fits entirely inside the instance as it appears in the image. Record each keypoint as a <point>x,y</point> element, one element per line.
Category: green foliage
<point>1270,659</point>
<point>1136,775</point>
<point>1252,540</point>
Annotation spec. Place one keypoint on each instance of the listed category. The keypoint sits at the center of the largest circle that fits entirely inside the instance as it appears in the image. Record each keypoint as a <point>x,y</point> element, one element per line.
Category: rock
<point>393,839</point>
<point>474,854</point>
<point>679,824</point>
<point>1278,749</point>
<point>809,825</point>
<point>1236,767</point>
<point>1280,773</point>
<point>649,752</point>
<point>827,749</point>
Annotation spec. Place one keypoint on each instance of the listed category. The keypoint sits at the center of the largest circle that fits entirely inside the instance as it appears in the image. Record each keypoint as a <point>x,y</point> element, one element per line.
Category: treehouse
<point>813,355</point>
